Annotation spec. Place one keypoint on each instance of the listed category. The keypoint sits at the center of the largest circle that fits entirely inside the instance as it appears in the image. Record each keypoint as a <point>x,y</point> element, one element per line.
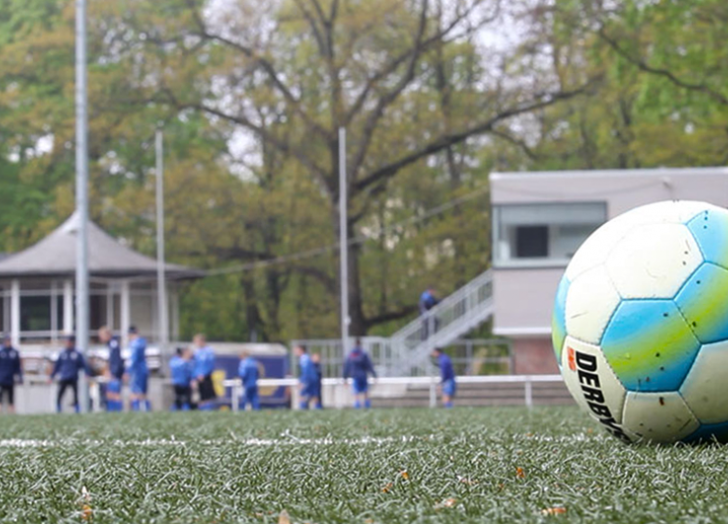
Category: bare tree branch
<point>391,96</point>
<point>390,316</point>
<point>399,60</point>
<point>521,144</point>
<point>644,66</point>
<point>450,139</point>
<point>268,67</point>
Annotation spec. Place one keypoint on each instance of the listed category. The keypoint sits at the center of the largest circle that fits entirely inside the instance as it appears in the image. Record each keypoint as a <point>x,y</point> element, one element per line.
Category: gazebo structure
<point>37,288</point>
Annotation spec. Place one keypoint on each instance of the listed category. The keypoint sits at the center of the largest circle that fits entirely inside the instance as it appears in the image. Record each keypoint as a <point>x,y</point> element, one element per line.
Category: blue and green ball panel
<point>708,433</point>
<point>649,345</point>
<point>710,229</point>
<point>703,301</point>
<point>558,319</point>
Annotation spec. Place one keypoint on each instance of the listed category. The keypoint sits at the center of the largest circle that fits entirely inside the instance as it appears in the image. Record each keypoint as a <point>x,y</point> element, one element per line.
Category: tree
<point>295,72</point>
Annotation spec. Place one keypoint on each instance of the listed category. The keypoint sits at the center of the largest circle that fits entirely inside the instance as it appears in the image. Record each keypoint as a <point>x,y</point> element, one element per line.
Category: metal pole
<point>161,278</point>
<point>82,299</point>
<point>344,243</point>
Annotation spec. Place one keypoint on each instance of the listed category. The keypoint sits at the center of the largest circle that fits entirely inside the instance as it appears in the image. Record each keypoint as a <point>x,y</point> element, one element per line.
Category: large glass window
<point>538,234</point>
<point>35,313</point>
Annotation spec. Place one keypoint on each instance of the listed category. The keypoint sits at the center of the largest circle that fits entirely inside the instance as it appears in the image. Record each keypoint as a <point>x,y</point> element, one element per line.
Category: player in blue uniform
<point>204,366</point>
<point>358,367</point>
<point>114,370</point>
<point>307,378</point>
<point>428,300</point>
<point>318,388</point>
<point>10,373</point>
<point>249,373</point>
<point>137,372</point>
<point>69,364</point>
<point>181,368</point>
<point>447,377</point>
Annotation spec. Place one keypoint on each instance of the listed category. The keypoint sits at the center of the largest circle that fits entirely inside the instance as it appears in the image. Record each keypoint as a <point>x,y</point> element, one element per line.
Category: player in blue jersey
<point>307,378</point>
<point>358,367</point>
<point>181,368</point>
<point>69,364</point>
<point>427,301</point>
<point>10,373</point>
<point>114,370</point>
<point>137,371</point>
<point>447,377</point>
<point>318,389</point>
<point>249,373</point>
<point>204,366</point>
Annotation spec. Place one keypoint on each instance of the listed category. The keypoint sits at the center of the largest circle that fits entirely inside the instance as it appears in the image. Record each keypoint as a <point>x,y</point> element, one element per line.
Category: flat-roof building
<point>539,221</point>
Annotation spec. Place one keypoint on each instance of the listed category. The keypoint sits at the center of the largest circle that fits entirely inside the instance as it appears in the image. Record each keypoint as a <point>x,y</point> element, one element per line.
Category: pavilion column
<point>174,295</point>
<point>15,312</point>
<point>110,305</point>
<point>68,307</point>
<point>125,313</point>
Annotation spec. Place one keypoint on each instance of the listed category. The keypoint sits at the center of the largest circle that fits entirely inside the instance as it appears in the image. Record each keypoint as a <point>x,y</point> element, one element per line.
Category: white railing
<point>457,314</point>
<point>430,381</point>
<point>407,351</point>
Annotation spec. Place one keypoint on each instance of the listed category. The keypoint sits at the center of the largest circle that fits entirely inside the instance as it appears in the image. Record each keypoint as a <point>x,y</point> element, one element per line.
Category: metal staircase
<point>407,352</point>
<point>465,309</point>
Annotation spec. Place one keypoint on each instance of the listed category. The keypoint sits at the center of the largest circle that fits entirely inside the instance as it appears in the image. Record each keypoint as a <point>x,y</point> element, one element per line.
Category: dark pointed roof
<point>55,255</point>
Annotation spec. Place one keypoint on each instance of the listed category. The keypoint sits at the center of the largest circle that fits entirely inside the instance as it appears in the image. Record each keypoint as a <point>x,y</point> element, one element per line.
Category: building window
<point>35,313</point>
<point>542,234</point>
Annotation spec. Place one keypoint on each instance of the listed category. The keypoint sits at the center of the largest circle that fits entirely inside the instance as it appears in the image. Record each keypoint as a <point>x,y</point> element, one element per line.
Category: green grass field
<point>464,465</point>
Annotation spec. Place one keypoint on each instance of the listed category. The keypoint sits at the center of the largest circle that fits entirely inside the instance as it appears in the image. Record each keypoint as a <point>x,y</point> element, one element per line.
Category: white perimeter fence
<point>432,382</point>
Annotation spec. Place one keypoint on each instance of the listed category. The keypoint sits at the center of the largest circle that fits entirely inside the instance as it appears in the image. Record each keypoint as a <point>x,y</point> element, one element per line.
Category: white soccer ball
<point>640,324</point>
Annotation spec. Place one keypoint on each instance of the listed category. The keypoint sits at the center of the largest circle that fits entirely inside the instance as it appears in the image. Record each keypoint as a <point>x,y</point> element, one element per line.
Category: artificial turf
<point>463,465</point>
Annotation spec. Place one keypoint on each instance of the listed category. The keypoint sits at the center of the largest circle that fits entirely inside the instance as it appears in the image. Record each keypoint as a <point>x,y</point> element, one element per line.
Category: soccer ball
<point>640,324</point>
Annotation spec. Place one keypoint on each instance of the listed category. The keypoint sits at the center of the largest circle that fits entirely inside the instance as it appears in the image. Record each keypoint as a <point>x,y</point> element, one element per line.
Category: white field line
<point>288,441</point>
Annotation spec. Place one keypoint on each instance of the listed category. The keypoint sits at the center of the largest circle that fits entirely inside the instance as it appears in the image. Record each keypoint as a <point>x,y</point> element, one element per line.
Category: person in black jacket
<point>10,372</point>
<point>69,364</point>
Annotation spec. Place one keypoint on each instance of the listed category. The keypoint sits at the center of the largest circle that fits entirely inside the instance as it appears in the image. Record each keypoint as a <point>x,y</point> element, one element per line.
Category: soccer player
<point>428,300</point>
<point>358,367</point>
<point>67,367</point>
<point>114,370</point>
<point>10,372</point>
<point>447,377</point>
<point>181,368</point>
<point>137,372</point>
<point>307,378</point>
<point>204,366</point>
<point>248,373</point>
<point>318,388</point>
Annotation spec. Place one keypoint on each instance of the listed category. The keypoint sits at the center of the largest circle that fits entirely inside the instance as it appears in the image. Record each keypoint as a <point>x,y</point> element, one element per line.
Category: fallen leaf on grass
<point>283,517</point>
<point>553,511</point>
<point>520,473</point>
<point>86,511</point>
<point>447,503</point>
<point>469,482</point>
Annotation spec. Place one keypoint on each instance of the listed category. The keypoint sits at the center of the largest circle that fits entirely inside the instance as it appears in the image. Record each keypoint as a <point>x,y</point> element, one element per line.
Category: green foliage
<point>251,97</point>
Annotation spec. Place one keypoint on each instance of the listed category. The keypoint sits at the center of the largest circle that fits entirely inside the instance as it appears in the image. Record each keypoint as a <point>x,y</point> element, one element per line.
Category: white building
<point>37,288</point>
<point>541,218</point>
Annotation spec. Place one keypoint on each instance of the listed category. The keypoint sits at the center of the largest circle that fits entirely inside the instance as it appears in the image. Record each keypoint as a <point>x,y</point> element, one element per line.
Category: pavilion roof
<point>55,255</point>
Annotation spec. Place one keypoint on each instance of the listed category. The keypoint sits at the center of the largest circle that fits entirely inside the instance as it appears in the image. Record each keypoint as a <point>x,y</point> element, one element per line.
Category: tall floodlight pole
<point>82,299</point>
<point>344,243</point>
<point>161,279</point>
